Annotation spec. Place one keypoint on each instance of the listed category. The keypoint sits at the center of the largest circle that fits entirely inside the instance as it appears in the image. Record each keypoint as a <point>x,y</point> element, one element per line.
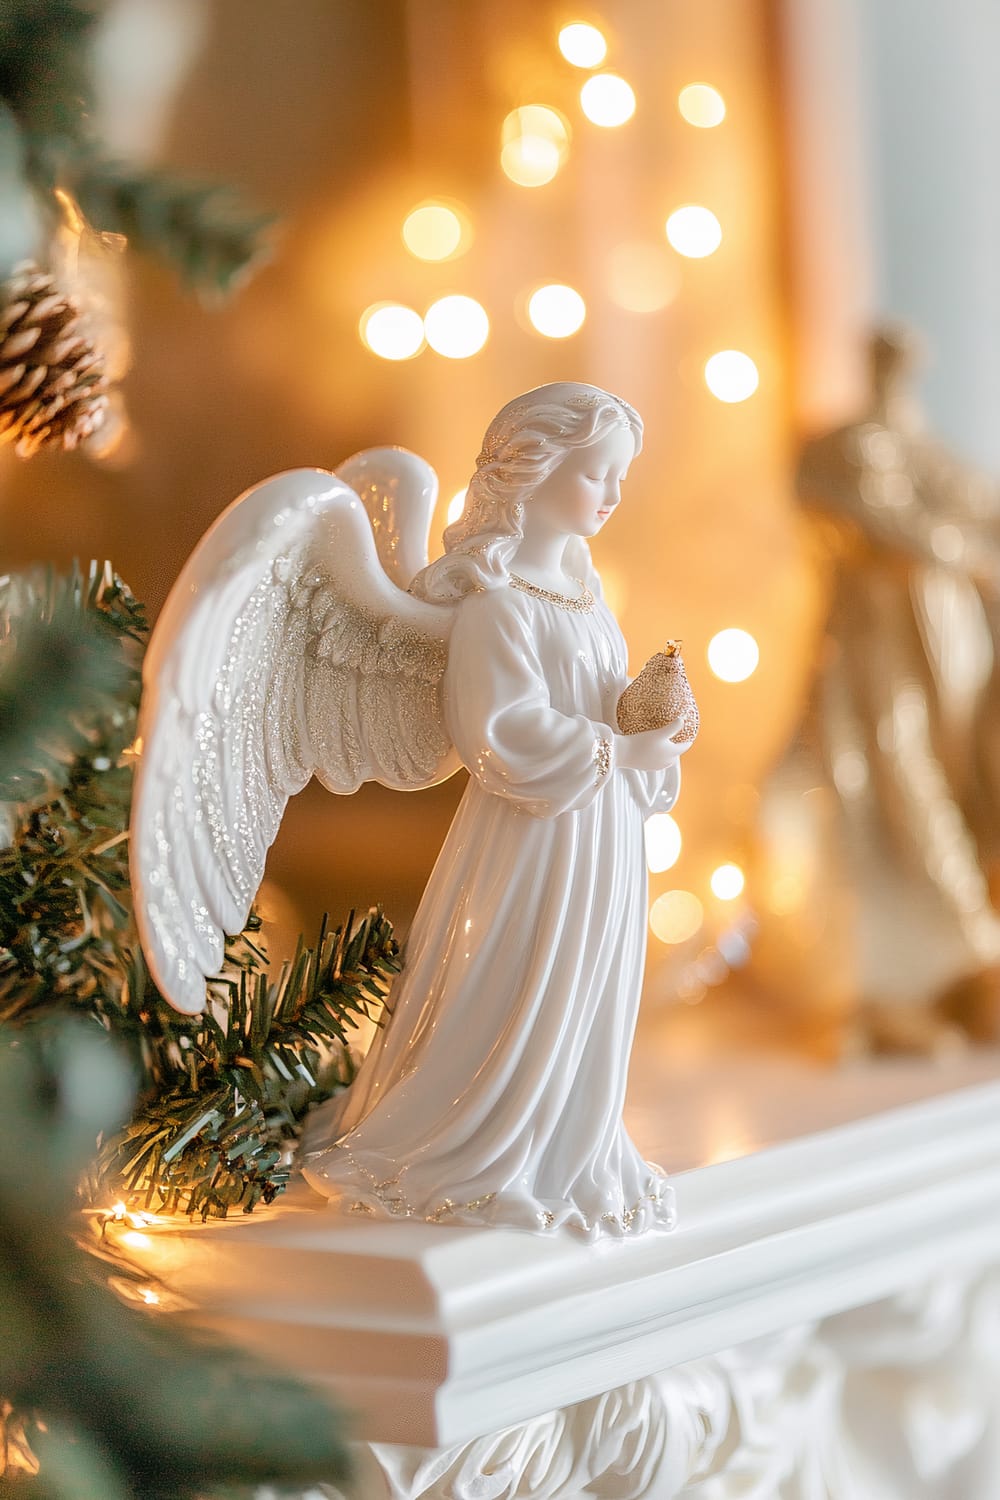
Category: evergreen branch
<point>146,1406</point>
<point>204,231</point>
<point>54,678</point>
<point>221,1094</point>
<point>229,1094</point>
<point>45,75</point>
<point>47,142</point>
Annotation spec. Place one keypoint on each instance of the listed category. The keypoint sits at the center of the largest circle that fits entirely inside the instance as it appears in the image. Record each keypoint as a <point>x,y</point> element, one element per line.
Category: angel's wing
<point>398,490</point>
<point>284,649</point>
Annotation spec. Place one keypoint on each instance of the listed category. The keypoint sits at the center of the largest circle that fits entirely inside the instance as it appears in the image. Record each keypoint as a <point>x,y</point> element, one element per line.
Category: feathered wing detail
<point>283,650</point>
<point>367,699</point>
<point>398,490</point>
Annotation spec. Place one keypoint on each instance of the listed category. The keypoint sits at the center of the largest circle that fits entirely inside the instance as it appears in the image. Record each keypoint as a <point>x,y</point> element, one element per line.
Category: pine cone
<point>53,385</point>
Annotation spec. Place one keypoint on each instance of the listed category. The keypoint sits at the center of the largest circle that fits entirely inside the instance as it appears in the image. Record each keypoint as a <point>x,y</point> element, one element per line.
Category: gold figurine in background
<point>885,808</point>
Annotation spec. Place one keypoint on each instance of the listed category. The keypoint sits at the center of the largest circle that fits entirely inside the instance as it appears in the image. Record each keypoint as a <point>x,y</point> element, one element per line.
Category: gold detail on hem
<point>580,604</point>
<point>448,1207</point>
<point>393,1200</point>
<point>396,1205</point>
<point>628,1216</point>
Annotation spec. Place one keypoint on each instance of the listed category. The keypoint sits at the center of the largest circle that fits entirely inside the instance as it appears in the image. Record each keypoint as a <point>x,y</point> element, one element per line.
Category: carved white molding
<point>896,1401</point>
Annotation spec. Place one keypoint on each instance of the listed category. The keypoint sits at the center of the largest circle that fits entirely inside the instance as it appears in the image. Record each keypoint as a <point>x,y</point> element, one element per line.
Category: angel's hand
<point>652,750</point>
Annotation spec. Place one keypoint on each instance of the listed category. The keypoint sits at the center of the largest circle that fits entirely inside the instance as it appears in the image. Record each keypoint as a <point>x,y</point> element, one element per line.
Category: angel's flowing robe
<point>494,1093</point>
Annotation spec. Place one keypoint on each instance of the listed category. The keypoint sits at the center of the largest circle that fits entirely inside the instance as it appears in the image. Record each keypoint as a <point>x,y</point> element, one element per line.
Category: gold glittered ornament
<point>660,694</point>
<point>53,381</point>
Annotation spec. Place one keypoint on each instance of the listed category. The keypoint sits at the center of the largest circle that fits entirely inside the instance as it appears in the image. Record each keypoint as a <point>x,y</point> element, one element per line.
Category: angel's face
<point>585,490</point>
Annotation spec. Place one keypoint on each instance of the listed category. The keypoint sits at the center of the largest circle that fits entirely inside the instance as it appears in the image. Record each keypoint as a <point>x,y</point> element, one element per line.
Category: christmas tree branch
<point>203,231</point>
<point>60,667</point>
<point>45,74</point>
<point>111,1399</point>
<point>47,144</point>
<point>232,1084</point>
<point>220,1094</point>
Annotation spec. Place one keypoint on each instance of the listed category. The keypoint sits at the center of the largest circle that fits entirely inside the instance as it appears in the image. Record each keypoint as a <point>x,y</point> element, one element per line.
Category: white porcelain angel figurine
<point>307,636</point>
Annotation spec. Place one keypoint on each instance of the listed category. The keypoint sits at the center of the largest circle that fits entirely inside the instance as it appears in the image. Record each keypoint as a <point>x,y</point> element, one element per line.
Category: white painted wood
<point>896,1401</point>
<point>437,1335</point>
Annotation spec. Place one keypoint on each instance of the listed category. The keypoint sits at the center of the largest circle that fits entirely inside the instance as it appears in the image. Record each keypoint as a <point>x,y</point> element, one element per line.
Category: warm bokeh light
<point>150,1297</point>
<point>731,375</point>
<point>534,144</point>
<point>456,505</point>
<point>436,231</point>
<point>556,310</point>
<point>702,105</point>
<point>733,655</point>
<point>642,276</point>
<point>136,1241</point>
<point>582,45</point>
<point>530,161</point>
<point>392,331</point>
<point>456,326</point>
<point>694,231</point>
<point>607,100</point>
<point>663,842</point>
<point>727,882</point>
<point>676,916</point>
<point>540,121</point>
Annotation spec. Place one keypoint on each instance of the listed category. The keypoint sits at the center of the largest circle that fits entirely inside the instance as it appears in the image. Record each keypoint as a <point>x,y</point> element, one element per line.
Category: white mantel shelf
<point>433,1335</point>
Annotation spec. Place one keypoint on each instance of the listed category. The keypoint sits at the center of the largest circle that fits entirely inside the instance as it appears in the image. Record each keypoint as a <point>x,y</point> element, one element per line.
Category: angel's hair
<point>525,443</point>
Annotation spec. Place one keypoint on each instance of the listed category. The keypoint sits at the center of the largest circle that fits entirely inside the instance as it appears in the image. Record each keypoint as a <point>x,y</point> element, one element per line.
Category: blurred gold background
<point>343,117</point>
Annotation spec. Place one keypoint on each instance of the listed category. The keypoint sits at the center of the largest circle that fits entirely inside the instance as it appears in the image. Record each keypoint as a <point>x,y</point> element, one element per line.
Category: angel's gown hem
<point>494,1094</point>
<point>656,1209</point>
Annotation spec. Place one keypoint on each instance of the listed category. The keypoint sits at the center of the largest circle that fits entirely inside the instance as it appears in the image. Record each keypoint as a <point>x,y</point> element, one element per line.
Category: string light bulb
<point>676,916</point>
<point>731,376</point>
<point>727,882</point>
<point>391,330</point>
<point>456,326</point>
<point>701,105</point>
<point>556,310</point>
<point>607,100</point>
<point>733,655</point>
<point>534,143</point>
<point>694,231</point>
<point>582,45</point>
<point>530,161</point>
<point>436,231</point>
<point>136,1241</point>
